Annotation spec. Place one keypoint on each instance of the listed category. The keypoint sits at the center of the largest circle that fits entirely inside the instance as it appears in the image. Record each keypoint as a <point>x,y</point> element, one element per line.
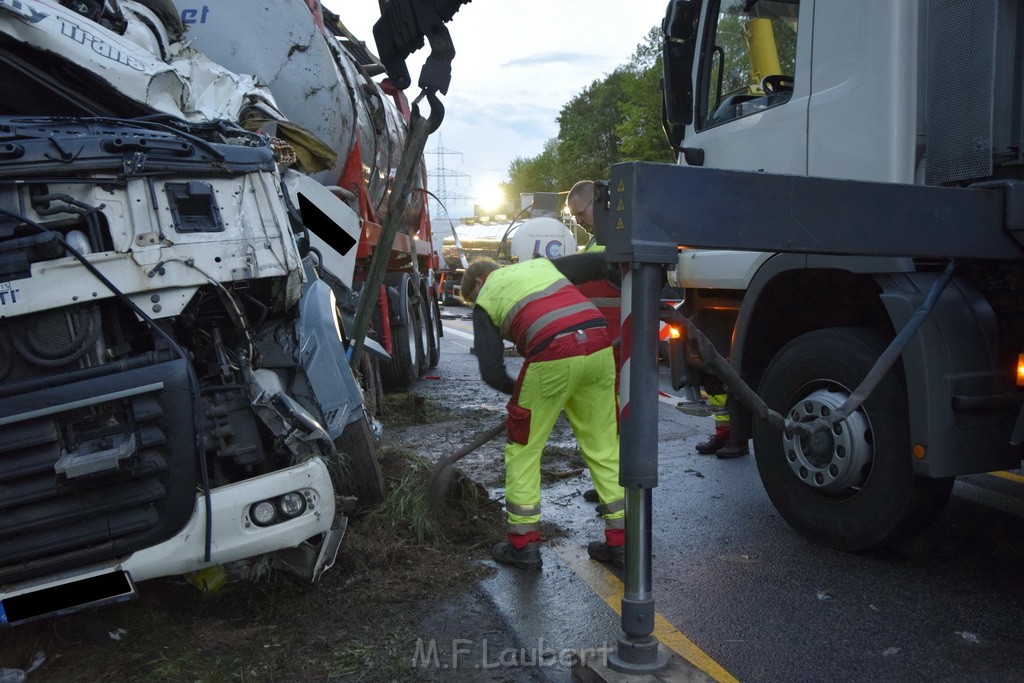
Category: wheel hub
<point>831,460</point>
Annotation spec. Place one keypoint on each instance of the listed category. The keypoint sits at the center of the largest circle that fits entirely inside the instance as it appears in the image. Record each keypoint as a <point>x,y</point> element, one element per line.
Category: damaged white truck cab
<point>174,386</point>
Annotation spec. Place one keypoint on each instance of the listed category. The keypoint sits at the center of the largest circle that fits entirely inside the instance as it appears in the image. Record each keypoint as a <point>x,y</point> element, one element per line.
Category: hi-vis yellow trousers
<point>583,386</point>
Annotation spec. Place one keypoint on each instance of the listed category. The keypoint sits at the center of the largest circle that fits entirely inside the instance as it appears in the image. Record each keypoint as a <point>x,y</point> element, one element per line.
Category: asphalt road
<point>743,597</point>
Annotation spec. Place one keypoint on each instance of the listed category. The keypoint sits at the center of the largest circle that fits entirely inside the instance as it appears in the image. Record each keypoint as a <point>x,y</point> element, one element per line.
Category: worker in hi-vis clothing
<point>567,366</point>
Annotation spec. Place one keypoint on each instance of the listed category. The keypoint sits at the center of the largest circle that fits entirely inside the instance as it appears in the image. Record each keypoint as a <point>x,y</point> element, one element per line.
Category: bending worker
<point>568,366</point>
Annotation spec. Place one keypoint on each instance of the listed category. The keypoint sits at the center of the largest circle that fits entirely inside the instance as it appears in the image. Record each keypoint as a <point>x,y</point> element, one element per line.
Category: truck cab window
<point>749,59</point>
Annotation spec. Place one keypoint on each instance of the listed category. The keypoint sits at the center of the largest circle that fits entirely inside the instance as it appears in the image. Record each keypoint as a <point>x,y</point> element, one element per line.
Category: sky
<point>517,62</point>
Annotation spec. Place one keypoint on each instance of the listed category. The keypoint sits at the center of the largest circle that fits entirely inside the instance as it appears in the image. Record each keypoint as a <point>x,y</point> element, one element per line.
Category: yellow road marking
<point>609,588</point>
<point>1009,476</point>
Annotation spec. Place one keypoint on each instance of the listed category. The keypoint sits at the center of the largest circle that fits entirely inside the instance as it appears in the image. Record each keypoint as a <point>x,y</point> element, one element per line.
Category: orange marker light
<point>675,333</point>
<point>1020,370</point>
<point>919,451</point>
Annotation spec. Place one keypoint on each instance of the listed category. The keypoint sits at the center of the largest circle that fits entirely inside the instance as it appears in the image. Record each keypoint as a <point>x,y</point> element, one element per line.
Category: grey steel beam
<point>715,209</point>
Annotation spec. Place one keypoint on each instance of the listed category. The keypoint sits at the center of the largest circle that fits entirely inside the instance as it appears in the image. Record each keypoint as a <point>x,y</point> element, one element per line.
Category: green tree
<point>588,143</point>
<point>640,131</point>
<point>533,174</point>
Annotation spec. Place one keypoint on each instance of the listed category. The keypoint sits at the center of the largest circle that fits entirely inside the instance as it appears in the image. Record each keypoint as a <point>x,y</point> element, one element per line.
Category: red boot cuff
<point>520,541</point>
<point>614,537</point>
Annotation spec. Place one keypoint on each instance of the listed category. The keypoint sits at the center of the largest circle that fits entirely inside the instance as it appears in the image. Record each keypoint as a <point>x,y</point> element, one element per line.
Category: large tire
<point>373,389</point>
<point>854,487</point>
<point>360,474</point>
<point>421,311</point>
<point>401,371</point>
<point>435,328</point>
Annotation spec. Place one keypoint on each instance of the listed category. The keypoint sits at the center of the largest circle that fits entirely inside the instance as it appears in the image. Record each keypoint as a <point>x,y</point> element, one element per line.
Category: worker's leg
<point>721,414</point>
<point>532,411</point>
<point>591,410</point>
<point>736,443</point>
<point>722,426</point>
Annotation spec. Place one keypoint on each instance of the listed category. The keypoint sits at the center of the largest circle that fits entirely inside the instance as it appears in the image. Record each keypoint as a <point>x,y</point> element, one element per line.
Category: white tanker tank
<point>541,237</point>
<point>321,79</point>
<point>545,237</point>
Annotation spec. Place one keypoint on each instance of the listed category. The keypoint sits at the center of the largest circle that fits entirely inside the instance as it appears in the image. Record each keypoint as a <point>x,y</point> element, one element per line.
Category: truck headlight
<point>263,513</point>
<point>291,504</point>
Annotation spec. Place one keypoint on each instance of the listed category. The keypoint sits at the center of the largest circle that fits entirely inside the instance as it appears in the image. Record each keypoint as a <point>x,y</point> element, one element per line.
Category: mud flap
<point>311,559</point>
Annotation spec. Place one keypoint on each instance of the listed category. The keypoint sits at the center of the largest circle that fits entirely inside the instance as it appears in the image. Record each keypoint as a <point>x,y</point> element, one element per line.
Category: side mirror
<point>680,30</point>
<point>680,22</point>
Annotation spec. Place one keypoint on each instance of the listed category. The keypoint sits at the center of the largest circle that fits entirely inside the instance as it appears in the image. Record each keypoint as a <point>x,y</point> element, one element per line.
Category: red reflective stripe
<point>564,300</point>
<point>599,288</point>
<point>506,324</point>
<point>608,300</point>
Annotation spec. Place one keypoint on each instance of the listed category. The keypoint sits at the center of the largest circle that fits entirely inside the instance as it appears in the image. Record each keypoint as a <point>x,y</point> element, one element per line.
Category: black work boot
<point>712,445</point>
<point>733,449</point>
<point>590,495</point>
<point>526,558</point>
<point>602,552</point>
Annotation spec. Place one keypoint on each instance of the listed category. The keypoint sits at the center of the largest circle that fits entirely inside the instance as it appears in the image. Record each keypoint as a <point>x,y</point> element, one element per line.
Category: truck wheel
<point>402,370</point>
<point>373,391</point>
<point>421,310</point>
<point>360,474</point>
<point>434,330</point>
<point>852,487</point>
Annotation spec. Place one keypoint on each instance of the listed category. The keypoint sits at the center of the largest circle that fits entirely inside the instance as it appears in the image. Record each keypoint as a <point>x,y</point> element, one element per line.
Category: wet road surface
<point>742,596</point>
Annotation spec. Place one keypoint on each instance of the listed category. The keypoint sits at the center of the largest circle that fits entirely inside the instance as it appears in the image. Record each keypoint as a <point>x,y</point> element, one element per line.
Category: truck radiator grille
<point>96,469</point>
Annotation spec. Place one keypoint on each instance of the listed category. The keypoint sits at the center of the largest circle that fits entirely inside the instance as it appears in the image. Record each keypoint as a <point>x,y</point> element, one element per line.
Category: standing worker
<point>580,203</point>
<point>604,292</point>
<point>567,366</point>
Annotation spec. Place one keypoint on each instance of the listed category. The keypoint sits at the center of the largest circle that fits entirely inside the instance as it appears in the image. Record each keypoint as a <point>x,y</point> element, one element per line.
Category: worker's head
<point>580,203</point>
<point>475,276</point>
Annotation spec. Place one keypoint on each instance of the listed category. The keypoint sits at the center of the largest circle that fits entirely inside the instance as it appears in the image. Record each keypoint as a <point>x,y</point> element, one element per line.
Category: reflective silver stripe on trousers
<point>611,507</point>
<point>522,510</point>
<point>506,324</point>
<point>524,528</point>
<point>548,318</point>
<point>619,523</point>
<point>606,302</point>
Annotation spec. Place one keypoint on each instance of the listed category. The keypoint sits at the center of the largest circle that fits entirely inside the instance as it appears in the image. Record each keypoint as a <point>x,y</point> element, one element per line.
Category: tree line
<point>616,118</point>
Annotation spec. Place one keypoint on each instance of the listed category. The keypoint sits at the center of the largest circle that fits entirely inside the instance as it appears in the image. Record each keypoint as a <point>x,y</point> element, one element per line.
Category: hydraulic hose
<point>34,351</point>
<point>739,389</point>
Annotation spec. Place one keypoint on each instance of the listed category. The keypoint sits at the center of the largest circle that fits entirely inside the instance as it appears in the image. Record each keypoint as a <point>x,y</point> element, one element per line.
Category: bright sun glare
<point>491,198</point>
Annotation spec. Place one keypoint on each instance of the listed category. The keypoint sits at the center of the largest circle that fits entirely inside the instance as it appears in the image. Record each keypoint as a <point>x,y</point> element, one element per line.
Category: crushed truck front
<point>175,389</point>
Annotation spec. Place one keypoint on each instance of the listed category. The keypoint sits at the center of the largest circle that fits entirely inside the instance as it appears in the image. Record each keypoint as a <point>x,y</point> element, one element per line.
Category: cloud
<point>504,120</point>
<point>545,58</point>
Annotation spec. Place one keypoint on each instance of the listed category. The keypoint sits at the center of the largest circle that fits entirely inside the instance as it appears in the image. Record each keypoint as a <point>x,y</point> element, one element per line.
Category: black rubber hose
<point>6,354</point>
<point>738,388</point>
<point>34,351</point>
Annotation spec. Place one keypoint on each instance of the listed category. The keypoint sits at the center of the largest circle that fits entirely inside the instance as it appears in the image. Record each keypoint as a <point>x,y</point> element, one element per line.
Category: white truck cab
<point>916,92</point>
